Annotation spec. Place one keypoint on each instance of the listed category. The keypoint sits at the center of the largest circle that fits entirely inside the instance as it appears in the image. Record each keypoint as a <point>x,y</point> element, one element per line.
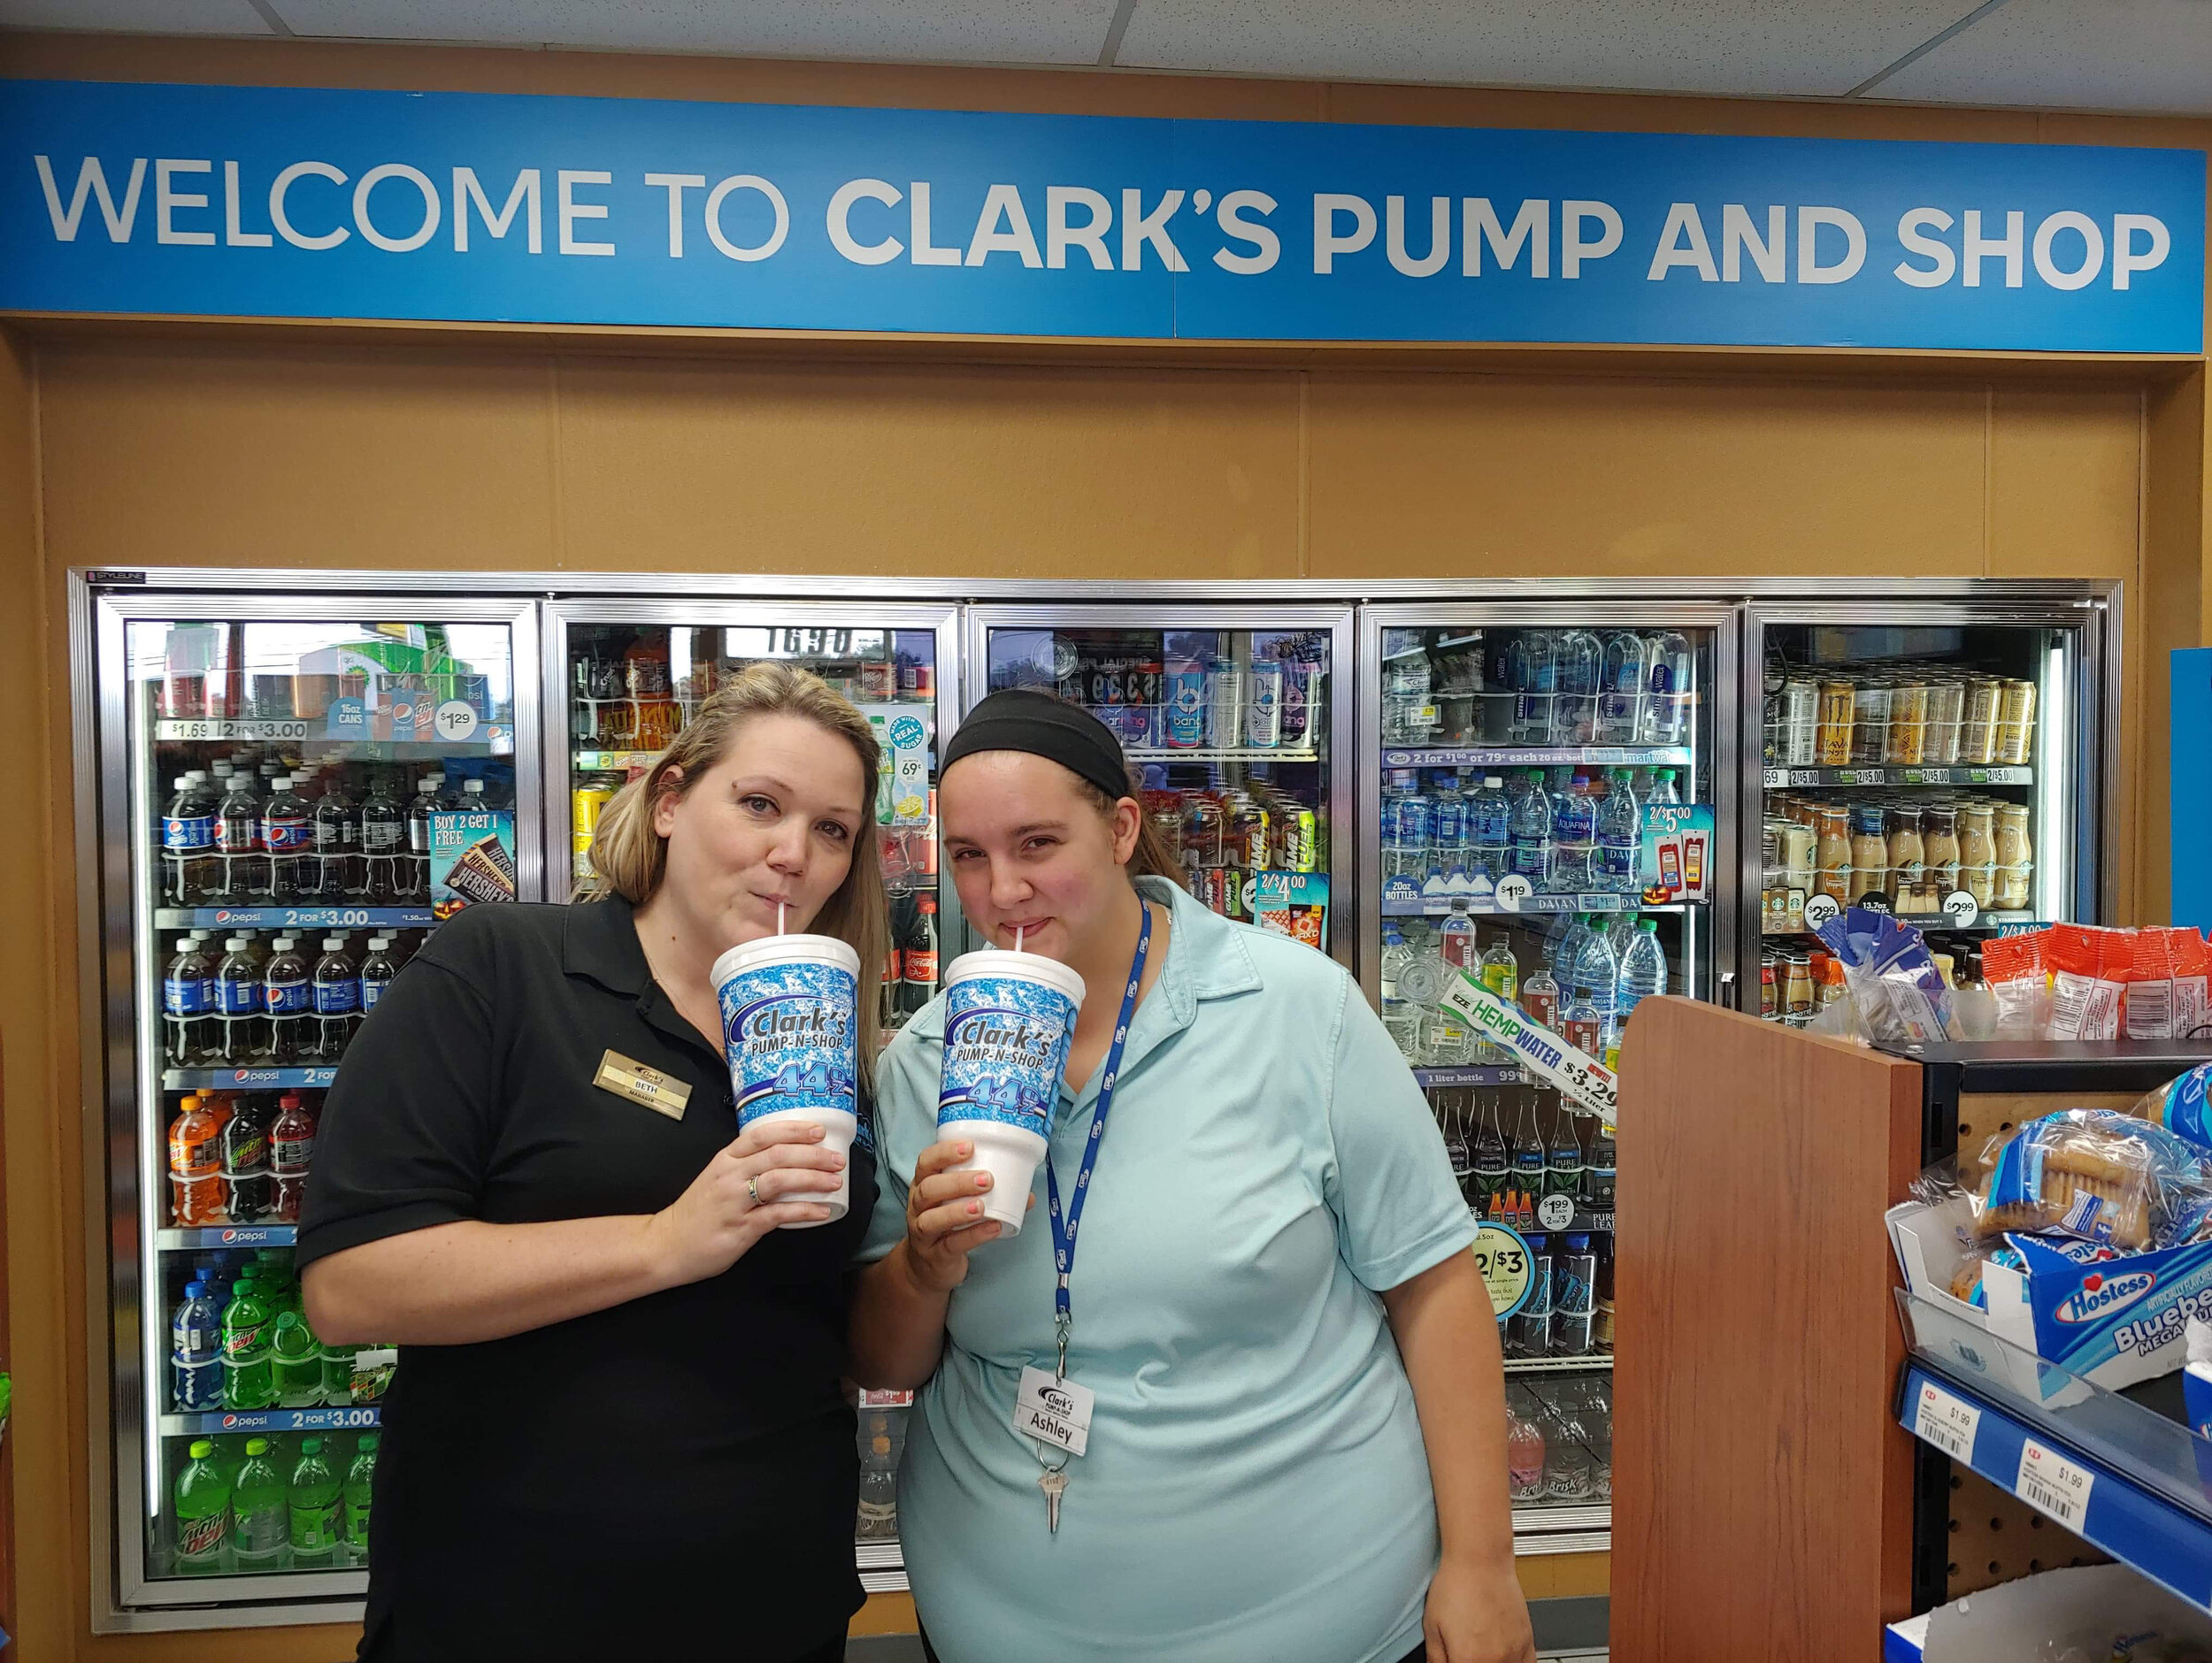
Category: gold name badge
<point>663,1094</point>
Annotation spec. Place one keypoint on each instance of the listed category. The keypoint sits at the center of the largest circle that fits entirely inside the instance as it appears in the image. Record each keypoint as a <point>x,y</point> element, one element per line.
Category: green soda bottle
<point>248,1382</point>
<point>360,1479</point>
<point>260,1526</point>
<point>315,1508</point>
<point>295,1364</point>
<point>203,1513</point>
<point>337,1373</point>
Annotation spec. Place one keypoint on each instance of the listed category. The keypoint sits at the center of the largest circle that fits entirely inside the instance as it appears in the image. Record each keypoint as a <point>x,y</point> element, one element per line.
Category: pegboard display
<point>1984,1114</point>
<point>1996,1537</point>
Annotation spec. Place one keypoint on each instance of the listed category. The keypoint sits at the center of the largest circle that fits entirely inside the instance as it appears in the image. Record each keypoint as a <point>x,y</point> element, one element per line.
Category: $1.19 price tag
<point>2053,1485</point>
<point>1946,1422</point>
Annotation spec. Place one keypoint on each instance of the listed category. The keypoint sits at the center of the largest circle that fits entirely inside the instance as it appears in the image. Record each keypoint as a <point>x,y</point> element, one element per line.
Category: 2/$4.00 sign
<point>271,202</point>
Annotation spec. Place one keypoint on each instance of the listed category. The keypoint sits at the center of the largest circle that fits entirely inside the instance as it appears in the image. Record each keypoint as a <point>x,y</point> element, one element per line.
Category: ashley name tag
<point>664,1093</point>
<point>1053,1411</point>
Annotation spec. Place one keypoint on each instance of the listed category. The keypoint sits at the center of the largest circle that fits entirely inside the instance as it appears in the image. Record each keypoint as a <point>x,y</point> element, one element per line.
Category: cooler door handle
<point>1729,997</point>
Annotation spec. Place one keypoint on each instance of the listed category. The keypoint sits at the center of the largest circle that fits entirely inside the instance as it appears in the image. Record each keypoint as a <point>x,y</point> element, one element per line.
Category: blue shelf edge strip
<point>226,1421</point>
<point>2169,1544</point>
<point>244,917</point>
<point>235,1235</point>
<point>262,1079</point>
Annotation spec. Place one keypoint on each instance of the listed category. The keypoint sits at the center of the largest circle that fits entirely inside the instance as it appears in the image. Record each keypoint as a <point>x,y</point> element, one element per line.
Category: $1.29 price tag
<point>2053,1485</point>
<point>1946,1422</point>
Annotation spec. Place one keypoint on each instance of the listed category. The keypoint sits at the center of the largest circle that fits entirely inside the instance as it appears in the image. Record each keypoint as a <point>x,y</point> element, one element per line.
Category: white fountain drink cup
<point>791,1032</point>
<point>1010,1018</point>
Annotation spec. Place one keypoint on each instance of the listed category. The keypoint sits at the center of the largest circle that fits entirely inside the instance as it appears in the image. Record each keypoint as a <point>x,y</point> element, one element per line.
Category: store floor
<point>906,1648</point>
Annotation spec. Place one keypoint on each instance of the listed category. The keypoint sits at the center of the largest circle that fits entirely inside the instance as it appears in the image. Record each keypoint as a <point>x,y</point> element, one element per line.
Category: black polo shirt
<point>678,1467</point>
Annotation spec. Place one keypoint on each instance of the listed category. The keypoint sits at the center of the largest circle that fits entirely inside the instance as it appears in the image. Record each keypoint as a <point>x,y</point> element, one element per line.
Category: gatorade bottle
<point>314,1507</point>
<point>291,1147</point>
<point>377,971</point>
<point>259,1528</point>
<point>248,1381</point>
<point>196,1190</point>
<point>195,1353</point>
<point>245,1144</point>
<point>337,998</point>
<point>296,1363</point>
<point>288,997</point>
<point>203,1513</point>
<point>360,1480</point>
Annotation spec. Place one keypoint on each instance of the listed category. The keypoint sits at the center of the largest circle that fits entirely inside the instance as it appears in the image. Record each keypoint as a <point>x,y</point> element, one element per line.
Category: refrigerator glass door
<point>631,675</point>
<point>1233,720</point>
<point>1936,763</point>
<point>291,796</point>
<point>1547,805</point>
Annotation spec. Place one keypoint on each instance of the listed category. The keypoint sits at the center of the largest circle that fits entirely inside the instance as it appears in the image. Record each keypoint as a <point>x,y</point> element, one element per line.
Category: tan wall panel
<point>1036,472</point>
<point>2066,476</point>
<point>202,457</point>
<point>1469,476</point>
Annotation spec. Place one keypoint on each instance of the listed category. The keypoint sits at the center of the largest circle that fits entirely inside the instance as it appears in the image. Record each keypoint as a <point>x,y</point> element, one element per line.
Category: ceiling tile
<point>1710,46</point>
<point>938,31</point>
<point>135,17</point>
<point>2072,54</point>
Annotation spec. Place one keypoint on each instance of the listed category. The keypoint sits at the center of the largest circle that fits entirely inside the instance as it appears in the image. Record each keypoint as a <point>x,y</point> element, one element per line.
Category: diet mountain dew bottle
<point>203,1513</point>
<point>315,1508</point>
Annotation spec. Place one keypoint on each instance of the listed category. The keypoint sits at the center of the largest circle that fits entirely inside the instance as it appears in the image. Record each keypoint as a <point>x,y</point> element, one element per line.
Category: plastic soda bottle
<point>360,1481</point>
<point>1524,1455</point>
<point>337,998</point>
<point>188,998</point>
<point>196,1354</point>
<point>248,1381</point>
<point>315,1507</point>
<point>295,1364</point>
<point>287,834</point>
<point>286,994</point>
<point>196,1168</point>
<point>337,1366</point>
<point>259,1525</point>
<point>245,1154</point>
<point>291,1147</point>
<point>203,1513</point>
<point>377,970</point>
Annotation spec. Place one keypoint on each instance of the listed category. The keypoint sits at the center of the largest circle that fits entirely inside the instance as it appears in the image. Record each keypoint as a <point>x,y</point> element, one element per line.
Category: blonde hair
<point>630,858</point>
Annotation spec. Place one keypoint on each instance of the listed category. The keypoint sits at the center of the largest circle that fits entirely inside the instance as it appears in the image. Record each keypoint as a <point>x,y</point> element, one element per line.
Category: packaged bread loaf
<point>2097,1175</point>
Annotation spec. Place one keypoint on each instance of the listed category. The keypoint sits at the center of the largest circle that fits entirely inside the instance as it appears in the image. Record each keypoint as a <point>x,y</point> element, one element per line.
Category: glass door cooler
<point>1546,796</point>
<point>279,798</point>
<point>1235,720</point>
<point>630,674</point>
<point>1945,760</point>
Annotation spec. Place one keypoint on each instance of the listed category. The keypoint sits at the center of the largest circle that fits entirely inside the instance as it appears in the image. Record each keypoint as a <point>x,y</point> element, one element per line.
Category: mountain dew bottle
<point>315,1508</point>
<point>259,1521</point>
<point>203,1513</point>
<point>297,1364</point>
<point>360,1478</point>
<point>248,1382</point>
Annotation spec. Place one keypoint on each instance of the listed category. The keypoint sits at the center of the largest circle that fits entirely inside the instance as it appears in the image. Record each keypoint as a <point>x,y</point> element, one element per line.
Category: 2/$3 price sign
<point>271,202</point>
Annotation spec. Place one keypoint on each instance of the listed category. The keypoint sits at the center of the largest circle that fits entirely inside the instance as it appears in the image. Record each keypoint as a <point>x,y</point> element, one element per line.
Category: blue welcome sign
<point>266,202</point>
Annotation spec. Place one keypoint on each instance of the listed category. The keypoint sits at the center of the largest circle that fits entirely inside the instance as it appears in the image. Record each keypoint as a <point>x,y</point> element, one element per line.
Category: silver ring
<point>752,1188</point>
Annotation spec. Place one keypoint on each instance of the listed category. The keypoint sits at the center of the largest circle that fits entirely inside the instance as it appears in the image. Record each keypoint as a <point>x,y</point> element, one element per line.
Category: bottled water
<point>1574,834</point>
<point>1447,1042</point>
<point>1662,789</point>
<point>1672,680</point>
<point>1643,971</point>
<point>1532,832</point>
<point>1533,670</point>
<point>1574,713</point>
<point>1560,949</point>
<point>1597,973</point>
<point>1489,829</point>
<point>1401,1017</point>
<point>1624,675</point>
<point>1448,838</point>
<point>1619,837</point>
<point>1408,712</point>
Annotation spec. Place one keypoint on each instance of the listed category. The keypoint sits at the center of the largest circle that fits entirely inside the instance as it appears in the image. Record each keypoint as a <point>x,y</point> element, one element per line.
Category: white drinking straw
<point>1018,937</point>
<point>779,917</point>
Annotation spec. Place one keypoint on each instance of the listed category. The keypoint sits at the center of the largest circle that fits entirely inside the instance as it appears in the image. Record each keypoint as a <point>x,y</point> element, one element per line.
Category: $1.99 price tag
<point>2053,1485</point>
<point>1946,1422</point>
<point>1506,1267</point>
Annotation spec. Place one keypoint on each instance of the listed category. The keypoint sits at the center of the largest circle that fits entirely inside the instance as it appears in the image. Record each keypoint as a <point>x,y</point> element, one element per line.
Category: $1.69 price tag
<point>2053,1485</point>
<point>1946,1422</point>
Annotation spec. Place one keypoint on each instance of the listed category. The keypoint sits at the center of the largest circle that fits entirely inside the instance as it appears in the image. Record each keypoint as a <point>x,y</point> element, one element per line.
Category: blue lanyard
<point>1064,1233</point>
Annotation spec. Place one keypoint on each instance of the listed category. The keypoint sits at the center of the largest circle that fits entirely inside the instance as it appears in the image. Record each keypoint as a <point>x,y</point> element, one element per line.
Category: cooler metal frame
<point>1138,610</point>
<point>2091,610</point>
<point>564,613</point>
<point>122,1106</point>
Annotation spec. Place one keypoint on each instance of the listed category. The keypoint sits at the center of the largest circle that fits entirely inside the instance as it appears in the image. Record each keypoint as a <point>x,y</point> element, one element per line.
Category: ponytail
<point>1152,857</point>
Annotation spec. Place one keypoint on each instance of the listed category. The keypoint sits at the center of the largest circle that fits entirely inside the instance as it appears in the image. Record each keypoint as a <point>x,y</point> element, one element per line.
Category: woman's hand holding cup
<point>944,1216</point>
<point>713,1223</point>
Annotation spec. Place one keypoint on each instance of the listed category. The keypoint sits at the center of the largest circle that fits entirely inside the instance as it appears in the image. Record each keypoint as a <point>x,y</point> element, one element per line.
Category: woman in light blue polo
<point>1296,1443</point>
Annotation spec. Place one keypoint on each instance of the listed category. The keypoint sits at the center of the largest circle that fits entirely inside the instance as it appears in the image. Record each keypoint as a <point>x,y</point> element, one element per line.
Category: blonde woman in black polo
<point>617,1427</point>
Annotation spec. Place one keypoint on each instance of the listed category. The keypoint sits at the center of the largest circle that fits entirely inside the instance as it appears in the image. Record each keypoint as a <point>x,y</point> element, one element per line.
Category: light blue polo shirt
<point>1256,1485</point>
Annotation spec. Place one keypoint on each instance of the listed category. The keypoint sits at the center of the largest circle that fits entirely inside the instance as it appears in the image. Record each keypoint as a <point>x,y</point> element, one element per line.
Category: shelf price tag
<point>1947,1422</point>
<point>1508,1271</point>
<point>2053,1485</point>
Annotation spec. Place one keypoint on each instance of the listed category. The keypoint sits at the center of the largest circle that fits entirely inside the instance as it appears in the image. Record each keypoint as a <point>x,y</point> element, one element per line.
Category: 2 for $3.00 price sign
<point>1508,1270</point>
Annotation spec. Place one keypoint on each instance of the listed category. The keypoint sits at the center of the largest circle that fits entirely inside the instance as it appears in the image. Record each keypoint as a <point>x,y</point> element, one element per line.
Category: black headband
<point>1020,719</point>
